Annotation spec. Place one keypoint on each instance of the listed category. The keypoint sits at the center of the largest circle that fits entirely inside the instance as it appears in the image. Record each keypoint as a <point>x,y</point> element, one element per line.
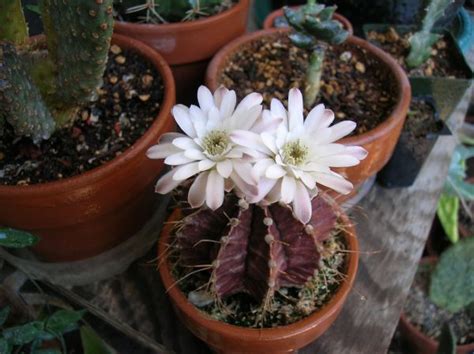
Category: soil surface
<point>429,318</point>
<point>127,104</point>
<point>289,305</point>
<point>441,64</point>
<point>354,86</point>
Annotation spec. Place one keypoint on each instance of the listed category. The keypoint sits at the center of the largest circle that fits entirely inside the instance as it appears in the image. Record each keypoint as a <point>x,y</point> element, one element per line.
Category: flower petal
<point>308,180</point>
<point>295,109</point>
<point>260,167</point>
<point>249,140</point>
<point>167,183</point>
<point>185,143</point>
<point>334,181</point>
<point>228,104</point>
<point>219,94</point>
<point>302,203</point>
<point>244,170</point>
<point>186,171</point>
<point>206,164</point>
<point>357,151</point>
<point>275,172</point>
<point>214,190</point>
<point>213,118</point>
<point>269,141</point>
<point>181,116</point>
<point>265,185</point>
<point>197,192</point>
<point>205,98</point>
<point>278,110</point>
<point>252,99</point>
<point>169,137</point>
<point>245,188</point>
<point>288,186</point>
<point>341,129</point>
<point>338,161</point>
<point>161,151</point>
<point>177,159</point>
<point>194,154</point>
<point>224,168</point>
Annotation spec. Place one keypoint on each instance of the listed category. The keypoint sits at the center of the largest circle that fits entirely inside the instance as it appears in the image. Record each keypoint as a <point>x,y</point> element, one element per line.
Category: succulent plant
<point>314,28</point>
<point>422,41</point>
<point>162,11</point>
<point>41,90</point>
<point>255,249</point>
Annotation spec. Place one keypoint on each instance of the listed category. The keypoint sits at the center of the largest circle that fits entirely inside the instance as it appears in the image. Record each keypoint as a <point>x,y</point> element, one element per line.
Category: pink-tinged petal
<point>333,181</point>
<point>205,98</point>
<point>260,167</point>
<point>224,168</point>
<point>186,171</point>
<point>275,172</point>
<point>249,140</point>
<point>288,186</point>
<point>219,94</point>
<point>322,150</point>
<point>213,118</point>
<point>302,203</point>
<point>308,180</point>
<point>228,185</point>
<point>167,183</point>
<point>181,116</point>
<point>169,137</point>
<point>228,104</point>
<point>161,151</point>
<point>338,161</point>
<point>295,109</point>
<point>177,159</point>
<point>357,151</point>
<point>244,170</point>
<point>269,141</point>
<point>249,118</point>
<point>265,185</point>
<point>235,153</point>
<point>245,188</point>
<point>274,195</point>
<point>214,190</point>
<point>341,129</point>
<point>194,154</point>
<point>278,110</point>
<point>198,119</point>
<point>267,123</point>
<point>197,192</point>
<point>204,165</point>
<point>314,117</point>
<point>315,167</point>
<point>185,143</point>
<point>252,99</point>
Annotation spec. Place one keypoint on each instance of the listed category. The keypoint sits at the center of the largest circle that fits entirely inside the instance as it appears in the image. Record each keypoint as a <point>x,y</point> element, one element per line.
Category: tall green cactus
<point>12,22</point>
<point>314,28</point>
<point>422,41</point>
<point>41,90</point>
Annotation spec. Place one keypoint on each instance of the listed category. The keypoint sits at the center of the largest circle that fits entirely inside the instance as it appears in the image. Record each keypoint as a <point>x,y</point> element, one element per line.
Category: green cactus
<point>452,282</point>
<point>314,28</point>
<point>41,90</point>
<point>422,41</point>
<point>162,11</point>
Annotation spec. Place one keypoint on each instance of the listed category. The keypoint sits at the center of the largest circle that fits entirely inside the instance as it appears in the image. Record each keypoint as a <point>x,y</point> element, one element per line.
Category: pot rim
<point>268,22</point>
<point>262,334</point>
<point>184,26</point>
<point>418,334</point>
<point>404,88</point>
<point>161,121</point>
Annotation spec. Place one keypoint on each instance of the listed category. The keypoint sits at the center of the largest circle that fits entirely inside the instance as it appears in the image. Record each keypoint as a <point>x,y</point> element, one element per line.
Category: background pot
<point>188,46</point>
<point>226,338</point>
<point>447,92</point>
<point>421,343</point>
<point>380,141</point>
<point>85,215</point>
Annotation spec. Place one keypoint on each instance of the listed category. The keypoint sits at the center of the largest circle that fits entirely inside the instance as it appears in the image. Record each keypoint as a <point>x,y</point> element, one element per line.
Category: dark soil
<point>127,104</point>
<point>429,318</point>
<point>441,63</point>
<point>354,86</point>
<point>289,305</point>
<point>420,125</point>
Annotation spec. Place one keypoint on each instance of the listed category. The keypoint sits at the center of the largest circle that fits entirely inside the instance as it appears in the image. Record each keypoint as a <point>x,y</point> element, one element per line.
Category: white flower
<point>299,155</point>
<point>206,150</point>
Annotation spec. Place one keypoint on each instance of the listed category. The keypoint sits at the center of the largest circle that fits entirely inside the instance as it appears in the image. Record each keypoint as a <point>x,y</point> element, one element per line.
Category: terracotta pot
<point>85,215</point>
<point>420,342</point>
<point>270,19</point>
<point>229,339</point>
<point>380,141</point>
<point>187,46</point>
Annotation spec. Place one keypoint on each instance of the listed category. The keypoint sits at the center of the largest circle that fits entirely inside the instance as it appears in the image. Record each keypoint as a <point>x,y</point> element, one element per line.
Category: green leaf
<point>4,315</point>
<point>23,334</point>
<point>301,40</point>
<point>63,321</point>
<point>33,8</point>
<point>447,211</point>
<point>447,340</point>
<point>17,239</point>
<point>452,282</point>
<point>92,343</point>
<point>420,48</point>
<point>5,347</point>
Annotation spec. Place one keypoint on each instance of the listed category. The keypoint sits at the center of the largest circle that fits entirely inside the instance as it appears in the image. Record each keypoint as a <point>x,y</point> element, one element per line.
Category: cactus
<point>42,90</point>
<point>314,28</point>
<point>422,41</point>
<point>162,11</point>
<point>265,247</point>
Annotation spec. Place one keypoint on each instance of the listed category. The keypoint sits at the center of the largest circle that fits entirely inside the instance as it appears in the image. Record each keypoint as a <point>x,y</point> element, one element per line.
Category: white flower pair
<point>264,155</point>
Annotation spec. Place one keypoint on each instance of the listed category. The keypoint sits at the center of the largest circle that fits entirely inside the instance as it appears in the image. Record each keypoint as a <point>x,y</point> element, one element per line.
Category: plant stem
<point>13,26</point>
<point>313,76</point>
<point>311,2</point>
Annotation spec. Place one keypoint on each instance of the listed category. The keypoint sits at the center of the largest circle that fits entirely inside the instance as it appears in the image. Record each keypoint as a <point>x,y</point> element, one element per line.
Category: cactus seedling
<point>314,28</point>
<point>41,90</point>
<point>422,41</point>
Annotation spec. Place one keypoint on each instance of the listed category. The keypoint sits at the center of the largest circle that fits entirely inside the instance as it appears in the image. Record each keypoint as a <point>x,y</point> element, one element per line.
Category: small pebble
<point>113,80</point>
<point>144,98</point>
<point>147,80</point>
<point>360,67</point>
<point>115,49</point>
<point>345,56</point>
<point>120,59</point>
<point>340,115</point>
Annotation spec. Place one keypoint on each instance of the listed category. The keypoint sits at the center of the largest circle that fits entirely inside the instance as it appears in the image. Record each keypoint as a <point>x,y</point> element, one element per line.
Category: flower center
<point>295,153</point>
<point>216,142</point>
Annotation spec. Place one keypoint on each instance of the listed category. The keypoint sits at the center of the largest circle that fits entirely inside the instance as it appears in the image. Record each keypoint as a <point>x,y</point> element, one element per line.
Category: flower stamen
<point>295,153</point>
<point>216,143</point>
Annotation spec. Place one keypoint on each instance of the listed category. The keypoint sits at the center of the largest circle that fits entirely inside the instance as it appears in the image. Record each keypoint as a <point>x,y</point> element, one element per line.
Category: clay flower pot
<point>270,20</point>
<point>85,215</point>
<point>379,142</point>
<point>188,46</point>
<point>227,339</point>
<point>420,342</point>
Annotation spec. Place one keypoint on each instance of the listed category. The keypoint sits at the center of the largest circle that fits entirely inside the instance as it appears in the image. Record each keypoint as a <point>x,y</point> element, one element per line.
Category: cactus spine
<point>40,90</point>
